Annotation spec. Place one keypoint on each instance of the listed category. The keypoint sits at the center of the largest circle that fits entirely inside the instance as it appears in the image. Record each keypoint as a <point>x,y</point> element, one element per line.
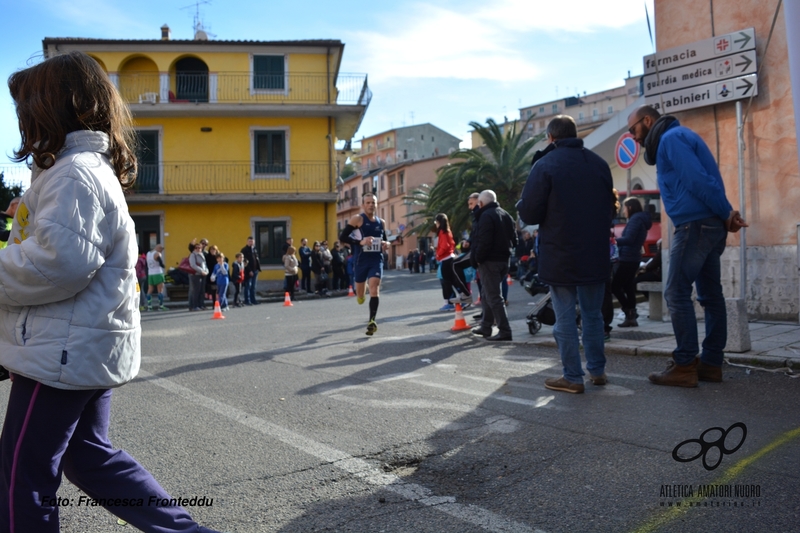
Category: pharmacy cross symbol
<point>723,44</point>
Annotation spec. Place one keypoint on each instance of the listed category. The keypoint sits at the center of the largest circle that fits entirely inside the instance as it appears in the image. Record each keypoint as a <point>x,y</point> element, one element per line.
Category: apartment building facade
<point>409,143</point>
<point>589,111</point>
<point>236,138</point>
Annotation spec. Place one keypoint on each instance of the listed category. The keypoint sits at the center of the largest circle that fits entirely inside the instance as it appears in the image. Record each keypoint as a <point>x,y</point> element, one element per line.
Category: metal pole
<point>743,231</point>
<point>629,182</point>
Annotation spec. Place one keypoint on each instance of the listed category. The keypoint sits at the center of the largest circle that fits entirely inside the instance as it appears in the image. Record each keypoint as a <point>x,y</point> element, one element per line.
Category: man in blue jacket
<point>694,198</point>
<point>569,193</point>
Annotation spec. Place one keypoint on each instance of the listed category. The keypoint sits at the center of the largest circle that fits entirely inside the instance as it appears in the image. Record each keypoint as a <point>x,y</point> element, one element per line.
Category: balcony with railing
<point>230,178</point>
<point>243,88</point>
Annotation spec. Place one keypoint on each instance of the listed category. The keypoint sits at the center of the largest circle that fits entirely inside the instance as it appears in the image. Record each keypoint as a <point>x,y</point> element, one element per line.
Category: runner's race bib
<point>376,246</point>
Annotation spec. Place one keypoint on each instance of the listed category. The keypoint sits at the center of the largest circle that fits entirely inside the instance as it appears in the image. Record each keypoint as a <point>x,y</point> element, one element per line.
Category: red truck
<point>651,203</point>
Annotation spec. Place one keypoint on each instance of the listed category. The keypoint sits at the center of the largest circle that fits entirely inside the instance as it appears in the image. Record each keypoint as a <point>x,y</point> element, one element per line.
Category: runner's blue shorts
<point>368,269</point>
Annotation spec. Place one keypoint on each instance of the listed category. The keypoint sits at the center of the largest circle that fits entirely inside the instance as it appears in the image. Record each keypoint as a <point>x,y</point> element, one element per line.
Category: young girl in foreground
<point>69,310</point>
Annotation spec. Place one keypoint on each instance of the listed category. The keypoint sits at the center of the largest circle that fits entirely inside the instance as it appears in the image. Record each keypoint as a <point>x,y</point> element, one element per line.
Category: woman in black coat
<point>630,254</point>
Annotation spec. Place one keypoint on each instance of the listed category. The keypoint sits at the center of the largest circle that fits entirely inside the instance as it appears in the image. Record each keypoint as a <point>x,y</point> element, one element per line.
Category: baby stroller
<point>542,312</point>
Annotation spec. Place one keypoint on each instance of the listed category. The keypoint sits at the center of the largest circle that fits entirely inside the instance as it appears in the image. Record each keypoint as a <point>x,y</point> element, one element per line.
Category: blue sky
<point>445,62</point>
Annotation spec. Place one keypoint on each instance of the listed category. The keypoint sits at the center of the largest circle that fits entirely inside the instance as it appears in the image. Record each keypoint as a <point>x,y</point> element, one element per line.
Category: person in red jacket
<point>445,254</point>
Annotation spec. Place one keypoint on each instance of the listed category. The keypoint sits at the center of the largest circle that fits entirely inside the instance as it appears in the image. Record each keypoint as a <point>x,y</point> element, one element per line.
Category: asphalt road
<point>292,420</point>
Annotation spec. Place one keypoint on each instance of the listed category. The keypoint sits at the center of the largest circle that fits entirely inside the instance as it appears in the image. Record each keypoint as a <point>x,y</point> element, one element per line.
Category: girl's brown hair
<point>66,93</point>
<point>444,224</point>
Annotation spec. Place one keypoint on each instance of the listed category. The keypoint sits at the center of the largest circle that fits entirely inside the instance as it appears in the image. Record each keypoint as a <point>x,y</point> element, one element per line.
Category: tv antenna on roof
<point>200,33</point>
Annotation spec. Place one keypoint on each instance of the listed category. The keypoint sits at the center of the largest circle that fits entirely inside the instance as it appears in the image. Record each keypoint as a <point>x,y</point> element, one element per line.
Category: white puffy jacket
<point>69,315</point>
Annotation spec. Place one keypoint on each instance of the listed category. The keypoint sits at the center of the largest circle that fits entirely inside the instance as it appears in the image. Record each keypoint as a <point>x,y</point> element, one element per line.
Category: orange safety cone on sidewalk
<point>287,302</point>
<point>217,312</point>
<point>351,293</point>
<point>509,280</point>
<point>460,324</point>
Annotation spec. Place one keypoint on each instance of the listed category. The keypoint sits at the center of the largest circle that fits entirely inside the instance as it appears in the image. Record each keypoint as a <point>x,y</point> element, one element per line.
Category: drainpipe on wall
<point>791,11</point>
<point>330,133</point>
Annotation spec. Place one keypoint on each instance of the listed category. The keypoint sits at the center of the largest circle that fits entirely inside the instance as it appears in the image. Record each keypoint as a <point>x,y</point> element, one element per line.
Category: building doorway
<point>191,80</point>
<point>148,231</point>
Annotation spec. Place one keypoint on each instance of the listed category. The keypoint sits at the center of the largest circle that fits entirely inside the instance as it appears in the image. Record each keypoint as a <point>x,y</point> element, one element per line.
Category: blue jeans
<point>250,288</point>
<point>694,257</point>
<point>565,331</point>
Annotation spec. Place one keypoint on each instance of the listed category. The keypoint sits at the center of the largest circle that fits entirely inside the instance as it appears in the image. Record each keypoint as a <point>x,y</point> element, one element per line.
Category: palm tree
<point>502,165</point>
<point>419,198</point>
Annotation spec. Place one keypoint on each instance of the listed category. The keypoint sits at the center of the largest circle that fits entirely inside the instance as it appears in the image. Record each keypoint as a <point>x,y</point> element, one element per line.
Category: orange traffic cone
<point>287,302</point>
<point>509,281</point>
<point>351,293</point>
<point>217,312</point>
<point>460,324</point>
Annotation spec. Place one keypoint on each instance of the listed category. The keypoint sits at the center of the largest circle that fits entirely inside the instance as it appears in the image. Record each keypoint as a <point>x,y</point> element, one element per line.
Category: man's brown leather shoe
<point>676,376</point>
<point>708,372</point>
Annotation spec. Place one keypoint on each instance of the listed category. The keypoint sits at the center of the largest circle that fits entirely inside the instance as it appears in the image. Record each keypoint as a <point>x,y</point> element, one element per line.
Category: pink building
<point>771,195</point>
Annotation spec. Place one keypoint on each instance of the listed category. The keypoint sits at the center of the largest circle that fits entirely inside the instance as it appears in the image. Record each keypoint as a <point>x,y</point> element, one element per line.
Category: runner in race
<point>367,234</point>
<point>155,277</point>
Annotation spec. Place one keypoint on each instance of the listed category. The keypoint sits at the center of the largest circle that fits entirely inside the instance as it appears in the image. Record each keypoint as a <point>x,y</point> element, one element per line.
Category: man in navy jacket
<point>694,198</point>
<point>568,193</point>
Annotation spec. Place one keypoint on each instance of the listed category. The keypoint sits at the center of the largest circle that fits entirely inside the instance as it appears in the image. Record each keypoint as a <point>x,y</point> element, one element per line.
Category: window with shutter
<point>269,72</point>
<point>270,152</point>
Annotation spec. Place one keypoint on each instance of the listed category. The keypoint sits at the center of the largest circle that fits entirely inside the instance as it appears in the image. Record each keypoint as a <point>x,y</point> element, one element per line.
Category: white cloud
<point>578,16</point>
<point>479,42</point>
<point>426,41</point>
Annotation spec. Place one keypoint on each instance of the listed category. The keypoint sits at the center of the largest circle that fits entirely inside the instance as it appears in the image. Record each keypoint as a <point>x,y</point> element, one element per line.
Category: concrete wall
<point>772,178</point>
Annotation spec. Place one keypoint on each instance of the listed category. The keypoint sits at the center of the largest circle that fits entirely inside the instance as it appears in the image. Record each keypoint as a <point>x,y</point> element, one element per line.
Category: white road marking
<point>541,402</point>
<point>358,468</point>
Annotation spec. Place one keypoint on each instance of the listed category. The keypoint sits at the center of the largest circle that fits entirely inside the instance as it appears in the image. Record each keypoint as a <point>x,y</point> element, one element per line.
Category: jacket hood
<point>654,137</point>
<point>79,141</point>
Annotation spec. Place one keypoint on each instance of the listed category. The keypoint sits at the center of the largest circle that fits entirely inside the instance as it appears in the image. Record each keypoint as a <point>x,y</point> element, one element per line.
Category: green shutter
<point>270,237</point>
<point>270,152</point>
<point>268,72</point>
<point>147,158</point>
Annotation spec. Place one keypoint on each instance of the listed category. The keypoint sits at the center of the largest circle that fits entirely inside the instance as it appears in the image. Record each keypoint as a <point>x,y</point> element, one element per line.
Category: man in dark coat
<point>252,267</point>
<point>491,250</point>
<point>568,193</point>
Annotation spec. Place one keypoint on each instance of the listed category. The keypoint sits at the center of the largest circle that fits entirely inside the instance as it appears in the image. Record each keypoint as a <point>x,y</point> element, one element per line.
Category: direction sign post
<point>703,95</point>
<point>713,48</point>
<point>739,64</point>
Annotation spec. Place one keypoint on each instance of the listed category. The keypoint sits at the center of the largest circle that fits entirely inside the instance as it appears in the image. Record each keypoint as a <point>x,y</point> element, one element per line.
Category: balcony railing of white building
<point>197,177</point>
<point>242,87</point>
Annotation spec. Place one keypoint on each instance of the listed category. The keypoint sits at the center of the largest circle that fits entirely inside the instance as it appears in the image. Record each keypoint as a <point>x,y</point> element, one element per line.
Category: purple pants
<point>48,431</point>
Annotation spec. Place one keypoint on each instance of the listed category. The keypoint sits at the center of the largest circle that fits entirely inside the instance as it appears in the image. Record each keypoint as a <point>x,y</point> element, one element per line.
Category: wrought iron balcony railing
<point>183,177</point>
<point>243,87</point>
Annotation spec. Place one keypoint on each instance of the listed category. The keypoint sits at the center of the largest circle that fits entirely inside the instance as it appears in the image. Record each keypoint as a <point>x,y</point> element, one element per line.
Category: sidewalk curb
<point>771,361</point>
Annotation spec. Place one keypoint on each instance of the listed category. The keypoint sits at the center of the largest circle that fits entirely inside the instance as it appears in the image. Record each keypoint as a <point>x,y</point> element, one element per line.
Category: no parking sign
<point>626,151</point>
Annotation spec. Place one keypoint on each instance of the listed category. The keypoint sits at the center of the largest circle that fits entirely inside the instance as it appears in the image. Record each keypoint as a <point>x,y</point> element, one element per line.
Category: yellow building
<point>237,138</point>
